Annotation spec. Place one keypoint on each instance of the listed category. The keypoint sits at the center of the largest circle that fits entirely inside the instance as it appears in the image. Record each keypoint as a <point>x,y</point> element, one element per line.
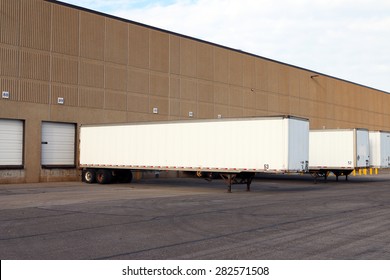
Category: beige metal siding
<point>110,70</point>
<point>138,46</point>
<point>36,92</point>
<point>235,69</point>
<point>221,62</point>
<point>138,81</point>
<point>65,30</point>
<point>159,51</point>
<point>65,70</point>
<point>93,98</point>
<point>205,62</point>
<point>138,103</point>
<point>35,24</point>
<point>115,77</point>
<point>205,92</point>
<point>9,21</point>
<point>68,93</point>
<point>35,65</point>
<point>12,86</point>
<point>9,58</point>
<point>188,57</point>
<point>159,84</point>
<point>116,41</point>
<point>92,34</point>
<point>115,100</point>
<point>188,88</point>
<point>174,54</point>
<point>91,73</point>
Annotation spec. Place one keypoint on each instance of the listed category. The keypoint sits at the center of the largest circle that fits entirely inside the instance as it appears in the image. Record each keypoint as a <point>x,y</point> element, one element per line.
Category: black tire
<point>124,176</point>
<point>103,176</point>
<point>89,176</point>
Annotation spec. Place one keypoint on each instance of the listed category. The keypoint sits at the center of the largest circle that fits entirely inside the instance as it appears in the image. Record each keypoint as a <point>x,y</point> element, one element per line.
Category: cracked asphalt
<point>283,217</point>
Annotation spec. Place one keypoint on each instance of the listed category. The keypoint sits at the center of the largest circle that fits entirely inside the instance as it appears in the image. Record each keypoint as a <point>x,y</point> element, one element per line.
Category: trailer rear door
<point>385,151</point>
<point>362,148</point>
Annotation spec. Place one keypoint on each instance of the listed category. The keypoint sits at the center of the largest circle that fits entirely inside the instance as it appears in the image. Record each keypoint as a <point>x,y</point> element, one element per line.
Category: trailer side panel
<point>248,144</point>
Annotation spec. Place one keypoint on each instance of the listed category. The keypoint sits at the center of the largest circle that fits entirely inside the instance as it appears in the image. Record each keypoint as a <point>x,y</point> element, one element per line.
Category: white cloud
<point>348,39</point>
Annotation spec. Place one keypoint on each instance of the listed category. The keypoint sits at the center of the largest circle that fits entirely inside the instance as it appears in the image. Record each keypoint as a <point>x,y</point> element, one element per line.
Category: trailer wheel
<point>89,176</point>
<point>125,176</point>
<point>103,176</point>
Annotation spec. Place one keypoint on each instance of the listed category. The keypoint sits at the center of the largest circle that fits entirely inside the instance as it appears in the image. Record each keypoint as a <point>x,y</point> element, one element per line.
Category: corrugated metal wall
<point>109,70</point>
<point>49,51</point>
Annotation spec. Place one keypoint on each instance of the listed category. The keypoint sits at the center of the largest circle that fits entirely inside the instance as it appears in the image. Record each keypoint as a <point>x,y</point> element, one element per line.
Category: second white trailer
<point>339,151</point>
<point>379,149</point>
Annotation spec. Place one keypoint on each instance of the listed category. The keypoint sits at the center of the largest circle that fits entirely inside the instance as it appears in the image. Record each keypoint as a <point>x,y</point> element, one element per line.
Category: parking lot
<point>283,217</point>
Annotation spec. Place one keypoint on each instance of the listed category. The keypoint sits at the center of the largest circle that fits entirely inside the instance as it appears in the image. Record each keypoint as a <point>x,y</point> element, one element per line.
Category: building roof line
<point>313,73</point>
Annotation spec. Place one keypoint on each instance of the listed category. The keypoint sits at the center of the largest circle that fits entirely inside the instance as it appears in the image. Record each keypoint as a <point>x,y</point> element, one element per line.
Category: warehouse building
<point>62,66</point>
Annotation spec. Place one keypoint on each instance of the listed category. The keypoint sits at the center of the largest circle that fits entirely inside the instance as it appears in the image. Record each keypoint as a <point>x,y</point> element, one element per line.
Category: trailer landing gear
<point>320,173</point>
<point>345,173</point>
<point>238,178</point>
<point>325,174</point>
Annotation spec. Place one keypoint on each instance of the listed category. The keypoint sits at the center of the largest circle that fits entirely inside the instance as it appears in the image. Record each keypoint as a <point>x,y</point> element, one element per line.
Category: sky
<point>347,39</point>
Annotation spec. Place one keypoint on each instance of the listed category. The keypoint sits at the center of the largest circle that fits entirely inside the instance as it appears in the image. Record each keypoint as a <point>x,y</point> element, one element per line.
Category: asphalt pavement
<point>283,217</point>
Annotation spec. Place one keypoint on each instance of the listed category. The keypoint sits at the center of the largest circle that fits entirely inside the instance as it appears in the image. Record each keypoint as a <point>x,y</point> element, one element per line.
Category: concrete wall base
<point>10,176</point>
<point>59,175</point>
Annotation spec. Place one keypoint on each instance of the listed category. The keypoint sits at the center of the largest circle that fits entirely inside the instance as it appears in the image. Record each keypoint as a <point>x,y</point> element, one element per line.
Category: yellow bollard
<point>376,171</point>
<point>370,171</point>
<point>365,171</point>
<point>354,172</point>
<point>360,172</point>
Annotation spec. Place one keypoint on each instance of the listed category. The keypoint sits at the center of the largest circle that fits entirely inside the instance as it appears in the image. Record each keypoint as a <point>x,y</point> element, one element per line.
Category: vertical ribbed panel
<point>159,84</point>
<point>205,61</point>
<point>64,70</point>
<point>69,95</point>
<point>92,36</point>
<point>9,21</point>
<point>138,46</point>
<point>34,92</point>
<point>249,72</point>
<point>235,69</point>
<point>91,98</point>
<point>91,74</point>
<point>159,51</point>
<point>116,78</point>
<point>138,103</point>
<point>115,101</point>
<point>174,54</point>
<point>65,31</point>
<point>9,62</point>
<point>188,89</point>
<point>188,57</point>
<point>35,24</point>
<point>12,86</point>
<point>138,81</point>
<point>35,65</point>
<point>116,45</point>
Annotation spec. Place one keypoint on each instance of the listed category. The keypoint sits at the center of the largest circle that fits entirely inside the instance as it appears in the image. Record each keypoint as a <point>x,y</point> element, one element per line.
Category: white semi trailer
<point>234,148</point>
<point>379,149</point>
<point>339,151</point>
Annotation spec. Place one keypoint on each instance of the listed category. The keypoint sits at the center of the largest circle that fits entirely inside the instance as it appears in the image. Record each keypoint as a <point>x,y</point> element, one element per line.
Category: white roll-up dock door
<point>58,144</point>
<point>11,143</point>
